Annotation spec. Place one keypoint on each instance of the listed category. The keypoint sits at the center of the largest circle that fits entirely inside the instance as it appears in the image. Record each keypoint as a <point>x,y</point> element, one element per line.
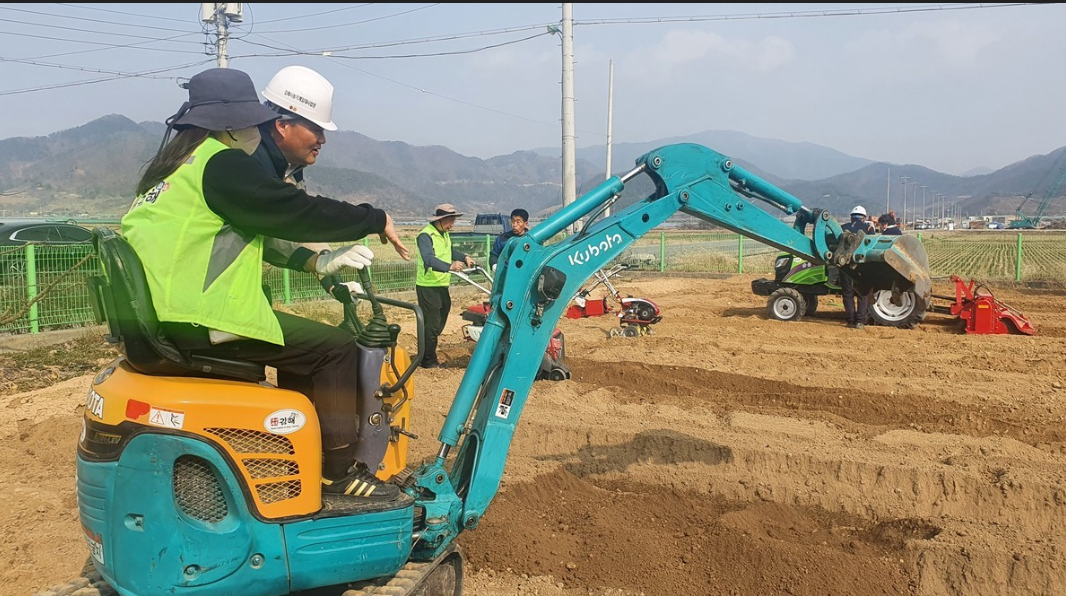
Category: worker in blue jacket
<point>519,226</point>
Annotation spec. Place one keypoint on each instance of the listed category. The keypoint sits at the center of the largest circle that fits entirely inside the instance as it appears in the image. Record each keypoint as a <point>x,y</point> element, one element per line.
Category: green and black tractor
<point>797,284</point>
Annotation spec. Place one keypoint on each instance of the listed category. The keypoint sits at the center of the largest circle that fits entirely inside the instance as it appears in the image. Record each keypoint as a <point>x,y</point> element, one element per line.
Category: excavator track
<point>442,576</point>
<point>88,584</point>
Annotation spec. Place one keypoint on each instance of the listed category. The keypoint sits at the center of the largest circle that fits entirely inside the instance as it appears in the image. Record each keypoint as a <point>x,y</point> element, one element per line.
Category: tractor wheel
<point>906,315</point>
<point>786,304</point>
<point>615,332</point>
<point>557,374</point>
<point>645,312</point>
<point>812,304</point>
<point>631,331</point>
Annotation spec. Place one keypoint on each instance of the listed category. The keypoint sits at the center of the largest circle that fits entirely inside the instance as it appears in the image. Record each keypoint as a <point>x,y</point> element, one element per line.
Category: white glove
<point>354,287</point>
<point>356,256</point>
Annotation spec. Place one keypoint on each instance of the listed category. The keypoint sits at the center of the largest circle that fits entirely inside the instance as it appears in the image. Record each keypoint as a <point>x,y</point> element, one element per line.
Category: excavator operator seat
<point>121,298</point>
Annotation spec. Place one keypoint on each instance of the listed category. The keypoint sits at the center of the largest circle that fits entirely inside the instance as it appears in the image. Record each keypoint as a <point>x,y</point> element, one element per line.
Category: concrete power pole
<point>221,15</point>
<point>569,151</point>
<point>888,192</point>
<point>923,201</point>
<point>903,180</point>
<point>610,118</point>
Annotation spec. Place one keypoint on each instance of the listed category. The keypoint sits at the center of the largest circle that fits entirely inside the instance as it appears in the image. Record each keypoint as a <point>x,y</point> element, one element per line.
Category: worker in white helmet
<point>304,101</point>
<point>856,300</point>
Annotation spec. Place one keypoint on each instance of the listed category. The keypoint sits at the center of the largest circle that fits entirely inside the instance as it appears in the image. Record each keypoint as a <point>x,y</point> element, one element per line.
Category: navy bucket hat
<point>222,99</point>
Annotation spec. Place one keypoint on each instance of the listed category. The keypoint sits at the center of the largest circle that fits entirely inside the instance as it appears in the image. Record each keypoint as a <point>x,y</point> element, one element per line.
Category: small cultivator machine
<point>552,363</point>
<point>635,315</point>
<point>982,312</point>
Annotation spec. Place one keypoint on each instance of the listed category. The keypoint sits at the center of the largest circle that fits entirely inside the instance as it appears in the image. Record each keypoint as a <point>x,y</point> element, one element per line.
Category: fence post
<point>662,252</point>
<point>740,254</point>
<point>1018,264</point>
<point>286,286</point>
<point>31,286</point>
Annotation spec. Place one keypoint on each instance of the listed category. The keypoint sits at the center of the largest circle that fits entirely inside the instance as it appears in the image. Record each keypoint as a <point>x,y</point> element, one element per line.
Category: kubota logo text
<point>593,249</point>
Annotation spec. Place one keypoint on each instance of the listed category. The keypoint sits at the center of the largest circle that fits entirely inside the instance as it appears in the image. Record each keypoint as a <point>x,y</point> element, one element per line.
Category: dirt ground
<point>726,454</point>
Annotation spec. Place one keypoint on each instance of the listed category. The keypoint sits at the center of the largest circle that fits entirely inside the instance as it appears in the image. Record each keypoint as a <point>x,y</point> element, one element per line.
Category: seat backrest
<point>122,299</point>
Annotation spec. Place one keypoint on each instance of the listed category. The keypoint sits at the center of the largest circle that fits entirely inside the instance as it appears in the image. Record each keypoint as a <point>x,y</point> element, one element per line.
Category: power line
<point>143,74</point>
<point>363,22</point>
<point>840,12</point>
<point>434,39</point>
<point>62,16</point>
<point>76,30</point>
<point>426,55</point>
<point>107,46</point>
<point>317,14</point>
<point>138,45</point>
<point>124,13</point>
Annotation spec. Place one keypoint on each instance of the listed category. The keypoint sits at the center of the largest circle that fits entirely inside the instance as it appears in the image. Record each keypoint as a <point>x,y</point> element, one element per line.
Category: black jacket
<point>856,225</point>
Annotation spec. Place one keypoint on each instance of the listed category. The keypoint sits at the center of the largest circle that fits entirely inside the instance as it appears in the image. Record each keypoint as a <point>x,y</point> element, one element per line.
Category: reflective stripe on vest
<point>442,249</point>
<point>200,269</point>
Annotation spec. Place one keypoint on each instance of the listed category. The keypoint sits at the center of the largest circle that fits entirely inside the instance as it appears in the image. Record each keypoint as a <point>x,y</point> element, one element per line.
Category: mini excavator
<point>197,477</point>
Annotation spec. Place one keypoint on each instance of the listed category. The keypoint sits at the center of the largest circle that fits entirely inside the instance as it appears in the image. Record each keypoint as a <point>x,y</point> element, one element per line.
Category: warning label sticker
<point>504,407</point>
<point>166,418</point>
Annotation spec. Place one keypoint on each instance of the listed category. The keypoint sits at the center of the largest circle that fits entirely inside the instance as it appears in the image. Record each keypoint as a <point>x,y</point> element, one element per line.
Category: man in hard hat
<point>856,303</point>
<point>304,100</point>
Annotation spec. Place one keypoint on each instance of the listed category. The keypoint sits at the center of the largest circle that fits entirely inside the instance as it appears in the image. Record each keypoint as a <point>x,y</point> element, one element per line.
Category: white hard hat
<point>859,210</point>
<point>303,92</point>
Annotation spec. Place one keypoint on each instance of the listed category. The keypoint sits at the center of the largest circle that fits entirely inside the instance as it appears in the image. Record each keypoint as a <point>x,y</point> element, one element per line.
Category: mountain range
<point>92,169</point>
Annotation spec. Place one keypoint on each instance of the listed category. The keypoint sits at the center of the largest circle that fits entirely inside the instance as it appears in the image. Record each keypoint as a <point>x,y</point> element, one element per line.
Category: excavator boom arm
<point>536,278</point>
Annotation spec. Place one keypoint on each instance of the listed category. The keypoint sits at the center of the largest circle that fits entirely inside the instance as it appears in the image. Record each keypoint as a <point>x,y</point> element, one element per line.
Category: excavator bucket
<point>886,262</point>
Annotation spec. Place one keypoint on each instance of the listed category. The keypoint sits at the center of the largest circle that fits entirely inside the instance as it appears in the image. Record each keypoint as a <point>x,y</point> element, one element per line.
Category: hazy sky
<point>949,86</point>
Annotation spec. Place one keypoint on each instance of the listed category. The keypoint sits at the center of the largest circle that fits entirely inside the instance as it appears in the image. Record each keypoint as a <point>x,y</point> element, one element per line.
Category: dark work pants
<point>435,303</point>
<point>856,303</point>
<point>322,357</point>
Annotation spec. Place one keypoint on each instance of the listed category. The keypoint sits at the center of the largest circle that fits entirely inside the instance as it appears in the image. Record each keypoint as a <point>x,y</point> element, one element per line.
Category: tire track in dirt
<point>642,382</point>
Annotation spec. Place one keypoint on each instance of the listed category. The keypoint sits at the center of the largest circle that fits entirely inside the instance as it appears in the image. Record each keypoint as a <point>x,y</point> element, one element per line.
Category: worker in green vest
<point>436,258</point>
<point>205,218</point>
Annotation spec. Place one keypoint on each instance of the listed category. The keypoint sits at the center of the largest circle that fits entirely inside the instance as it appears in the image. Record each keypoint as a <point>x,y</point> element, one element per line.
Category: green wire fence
<point>42,287</point>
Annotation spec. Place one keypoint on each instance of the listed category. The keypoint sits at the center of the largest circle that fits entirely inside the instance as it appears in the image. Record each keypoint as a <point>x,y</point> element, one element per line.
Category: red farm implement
<point>982,312</point>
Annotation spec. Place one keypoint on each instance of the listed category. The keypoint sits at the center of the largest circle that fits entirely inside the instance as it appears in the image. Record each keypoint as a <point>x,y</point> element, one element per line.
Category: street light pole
<point>914,198</point>
<point>923,201</point>
<point>903,180</point>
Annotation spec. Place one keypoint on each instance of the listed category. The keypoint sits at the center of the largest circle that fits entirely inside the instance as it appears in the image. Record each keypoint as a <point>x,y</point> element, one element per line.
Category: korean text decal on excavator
<point>195,477</point>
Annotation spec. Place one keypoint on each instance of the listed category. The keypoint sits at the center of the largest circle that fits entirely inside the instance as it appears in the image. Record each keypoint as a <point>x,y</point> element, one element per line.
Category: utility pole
<point>610,118</point>
<point>888,192</point>
<point>903,221</point>
<point>903,180</point>
<point>569,151</point>
<point>914,200</point>
<point>923,201</point>
<point>221,15</point>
